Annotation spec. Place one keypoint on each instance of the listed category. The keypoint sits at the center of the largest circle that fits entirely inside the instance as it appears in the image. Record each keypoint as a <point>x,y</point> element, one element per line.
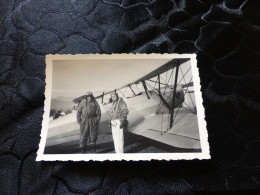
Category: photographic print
<point>123,107</point>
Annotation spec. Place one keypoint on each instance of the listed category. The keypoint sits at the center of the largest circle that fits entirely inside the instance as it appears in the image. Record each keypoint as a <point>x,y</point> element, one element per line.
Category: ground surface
<point>133,144</point>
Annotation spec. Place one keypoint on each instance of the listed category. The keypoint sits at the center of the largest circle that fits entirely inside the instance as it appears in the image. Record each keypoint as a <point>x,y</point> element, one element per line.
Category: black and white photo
<point>123,107</point>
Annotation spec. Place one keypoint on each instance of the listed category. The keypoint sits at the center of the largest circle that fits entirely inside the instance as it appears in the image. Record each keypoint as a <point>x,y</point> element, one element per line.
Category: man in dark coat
<point>88,116</point>
<point>118,121</point>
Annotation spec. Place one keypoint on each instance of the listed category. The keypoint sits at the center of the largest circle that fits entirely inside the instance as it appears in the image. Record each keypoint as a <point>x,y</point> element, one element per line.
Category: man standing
<point>88,116</point>
<point>118,121</point>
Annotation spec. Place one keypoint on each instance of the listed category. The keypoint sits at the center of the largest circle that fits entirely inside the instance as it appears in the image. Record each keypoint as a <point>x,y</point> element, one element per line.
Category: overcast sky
<point>73,78</point>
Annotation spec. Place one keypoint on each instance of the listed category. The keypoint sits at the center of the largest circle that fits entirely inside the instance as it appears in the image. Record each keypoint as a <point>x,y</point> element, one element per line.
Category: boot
<point>93,148</point>
<point>83,150</point>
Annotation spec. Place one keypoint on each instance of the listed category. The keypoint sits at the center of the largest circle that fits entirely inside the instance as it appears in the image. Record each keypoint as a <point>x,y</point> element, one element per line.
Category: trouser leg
<point>121,139</point>
<point>114,134</point>
<point>93,123</point>
<point>118,137</point>
<point>84,134</point>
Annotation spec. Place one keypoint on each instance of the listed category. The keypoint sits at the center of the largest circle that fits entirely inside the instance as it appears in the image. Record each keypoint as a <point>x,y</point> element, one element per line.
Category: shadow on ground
<point>133,144</point>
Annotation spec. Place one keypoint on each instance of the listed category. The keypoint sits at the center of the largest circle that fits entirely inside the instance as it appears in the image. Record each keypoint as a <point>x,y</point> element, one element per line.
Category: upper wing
<point>169,65</point>
<point>153,73</point>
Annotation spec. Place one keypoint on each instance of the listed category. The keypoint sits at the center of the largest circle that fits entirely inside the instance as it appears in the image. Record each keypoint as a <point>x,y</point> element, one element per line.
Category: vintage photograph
<point>123,107</point>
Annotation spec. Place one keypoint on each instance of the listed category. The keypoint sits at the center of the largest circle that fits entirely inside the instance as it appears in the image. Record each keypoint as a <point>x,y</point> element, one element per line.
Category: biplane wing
<point>162,69</point>
<point>183,134</point>
<point>169,65</point>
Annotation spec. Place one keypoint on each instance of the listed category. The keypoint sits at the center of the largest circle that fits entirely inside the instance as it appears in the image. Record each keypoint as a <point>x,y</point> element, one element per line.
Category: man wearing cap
<point>88,116</point>
<point>118,121</point>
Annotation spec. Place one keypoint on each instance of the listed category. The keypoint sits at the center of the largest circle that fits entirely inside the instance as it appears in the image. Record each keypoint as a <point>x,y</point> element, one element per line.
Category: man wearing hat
<point>88,116</point>
<point>118,121</point>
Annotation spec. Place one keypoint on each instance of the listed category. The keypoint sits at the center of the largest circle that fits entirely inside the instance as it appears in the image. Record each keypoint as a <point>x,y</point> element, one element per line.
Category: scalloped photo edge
<point>142,68</point>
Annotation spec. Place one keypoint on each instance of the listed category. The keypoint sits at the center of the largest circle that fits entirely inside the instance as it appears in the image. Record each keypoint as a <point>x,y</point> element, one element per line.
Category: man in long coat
<point>88,116</point>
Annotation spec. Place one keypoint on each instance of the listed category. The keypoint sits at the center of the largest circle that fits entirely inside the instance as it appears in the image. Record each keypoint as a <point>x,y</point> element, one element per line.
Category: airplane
<point>161,107</point>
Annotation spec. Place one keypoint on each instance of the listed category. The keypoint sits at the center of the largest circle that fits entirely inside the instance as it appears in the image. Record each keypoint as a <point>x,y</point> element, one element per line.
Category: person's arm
<point>109,117</point>
<point>79,113</point>
<point>124,112</point>
<point>98,112</point>
<point>123,117</point>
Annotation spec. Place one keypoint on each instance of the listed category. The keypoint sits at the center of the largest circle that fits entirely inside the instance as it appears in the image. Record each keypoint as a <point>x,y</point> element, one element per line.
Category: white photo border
<point>205,150</point>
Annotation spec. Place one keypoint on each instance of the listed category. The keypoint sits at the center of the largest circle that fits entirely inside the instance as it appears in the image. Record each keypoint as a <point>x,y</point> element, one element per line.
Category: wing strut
<point>174,93</point>
<point>102,101</point>
<point>145,88</point>
<point>160,95</point>
<point>132,90</point>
